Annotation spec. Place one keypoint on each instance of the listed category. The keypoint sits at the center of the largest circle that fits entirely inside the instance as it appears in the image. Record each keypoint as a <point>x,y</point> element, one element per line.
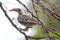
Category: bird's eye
<point>19,10</point>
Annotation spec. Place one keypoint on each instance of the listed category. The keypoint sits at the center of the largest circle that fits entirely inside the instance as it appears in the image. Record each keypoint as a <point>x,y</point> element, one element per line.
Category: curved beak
<point>14,9</point>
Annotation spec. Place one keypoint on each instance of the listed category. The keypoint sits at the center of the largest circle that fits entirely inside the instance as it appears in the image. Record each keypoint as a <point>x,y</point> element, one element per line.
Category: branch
<point>34,8</point>
<point>51,12</point>
<point>12,22</point>
<point>41,23</point>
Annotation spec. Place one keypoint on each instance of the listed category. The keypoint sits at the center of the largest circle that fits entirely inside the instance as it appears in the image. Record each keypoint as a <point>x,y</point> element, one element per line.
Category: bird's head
<point>16,9</point>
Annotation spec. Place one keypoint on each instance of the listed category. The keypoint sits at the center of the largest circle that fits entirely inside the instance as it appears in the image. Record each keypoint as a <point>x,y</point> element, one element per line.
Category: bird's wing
<point>28,19</point>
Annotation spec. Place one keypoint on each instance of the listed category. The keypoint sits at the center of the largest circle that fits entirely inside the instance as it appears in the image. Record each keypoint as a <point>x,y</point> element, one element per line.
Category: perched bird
<point>25,20</point>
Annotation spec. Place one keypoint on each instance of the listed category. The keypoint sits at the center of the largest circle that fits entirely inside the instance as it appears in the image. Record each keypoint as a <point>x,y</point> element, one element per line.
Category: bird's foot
<point>13,18</point>
<point>26,29</point>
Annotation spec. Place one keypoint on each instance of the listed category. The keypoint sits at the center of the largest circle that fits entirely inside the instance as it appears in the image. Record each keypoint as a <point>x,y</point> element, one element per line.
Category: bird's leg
<point>13,18</point>
<point>26,29</point>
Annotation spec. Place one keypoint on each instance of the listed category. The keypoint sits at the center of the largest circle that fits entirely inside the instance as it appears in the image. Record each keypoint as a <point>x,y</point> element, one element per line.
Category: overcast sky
<point>7,31</point>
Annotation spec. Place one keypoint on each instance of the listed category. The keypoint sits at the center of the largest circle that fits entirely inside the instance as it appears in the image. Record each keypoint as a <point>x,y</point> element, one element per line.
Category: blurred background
<point>8,32</point>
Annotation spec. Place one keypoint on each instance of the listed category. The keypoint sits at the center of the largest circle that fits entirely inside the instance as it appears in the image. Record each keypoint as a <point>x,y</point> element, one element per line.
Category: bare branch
<point>34,8</point>
<point>41,23</point>
<point>45,28</point>
<point>12,22</point>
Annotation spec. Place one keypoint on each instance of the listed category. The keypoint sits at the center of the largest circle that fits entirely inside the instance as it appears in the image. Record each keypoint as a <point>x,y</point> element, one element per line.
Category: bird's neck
<point>20,13</point>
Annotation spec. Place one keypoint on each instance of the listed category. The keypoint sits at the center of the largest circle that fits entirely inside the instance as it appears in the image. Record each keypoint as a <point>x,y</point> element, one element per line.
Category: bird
<point>25,20</point>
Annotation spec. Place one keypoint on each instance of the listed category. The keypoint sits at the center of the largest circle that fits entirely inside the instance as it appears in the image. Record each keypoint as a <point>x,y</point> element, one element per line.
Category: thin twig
<point>47,33</point>
<point>41,23</point>
<point>12,22</point>
<point>53,26</point>
<point>46,26</point>
<point>51,12</point>
<point>34,8</point>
